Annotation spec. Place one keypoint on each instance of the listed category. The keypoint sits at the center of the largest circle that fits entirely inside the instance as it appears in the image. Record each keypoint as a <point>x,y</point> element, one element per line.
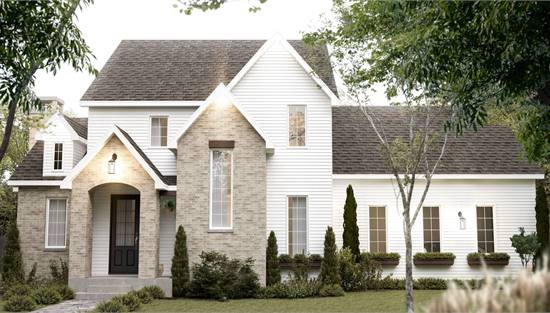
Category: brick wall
<point>248,237</point>
<point>31,221</point>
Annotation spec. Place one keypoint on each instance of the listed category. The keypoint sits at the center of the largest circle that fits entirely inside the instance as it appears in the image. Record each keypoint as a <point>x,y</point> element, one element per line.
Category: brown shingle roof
<point>79,124</point>
<point>184,70</point>
<point>31,167</point>
<point>490,150</point>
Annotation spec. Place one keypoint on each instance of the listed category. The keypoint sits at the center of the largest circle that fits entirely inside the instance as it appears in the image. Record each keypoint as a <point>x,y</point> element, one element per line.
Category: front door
<point>124,239</point>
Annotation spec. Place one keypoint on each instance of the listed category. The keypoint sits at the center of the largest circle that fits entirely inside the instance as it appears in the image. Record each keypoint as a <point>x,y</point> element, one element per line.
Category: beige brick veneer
<point>130,172</point>
<point>248,237</point>
<point>31,221</point>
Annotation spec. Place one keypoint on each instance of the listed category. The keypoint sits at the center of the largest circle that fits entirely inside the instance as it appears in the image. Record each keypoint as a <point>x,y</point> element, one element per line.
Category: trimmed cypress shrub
<point>350,235</point>
<point>180,265</point>
<point>273,272</point>
<point>12,265</point>
<point>543,223</point>
<point>329,266</point>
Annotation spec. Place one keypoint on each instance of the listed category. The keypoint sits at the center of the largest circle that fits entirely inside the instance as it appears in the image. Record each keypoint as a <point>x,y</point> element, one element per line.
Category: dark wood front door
<point>124,241</point>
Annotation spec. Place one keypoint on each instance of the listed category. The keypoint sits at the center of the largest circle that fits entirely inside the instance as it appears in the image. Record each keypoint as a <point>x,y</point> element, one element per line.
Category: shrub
<point>526,246</point>
<point>528,293</point>
<point>110,306</point>
<point>46,296</point>
<point>428,283</point>
<point>301,266</point>
<point>180,265</point>
<point>357,276</point>
<point>380,256</point>
<point>64,290</point>
<point>494,256</point>
<point>350,235</point>
<point>218,277</point>
<point>19,303</point>
<point>154,291</point>
<point>389,283</point>
<point>59,271</point>
<point>273,272</point>
<point>315,258</point>
<point>433,256</point>
<point>130,301</point>
<point>286,259</point>
<point>292,289</point>
<point>143,296</point>
<point>31,278</point>
<point>12,263</point>
<point>18,290</point>
<point>329,267</point>
<point>334,290</point>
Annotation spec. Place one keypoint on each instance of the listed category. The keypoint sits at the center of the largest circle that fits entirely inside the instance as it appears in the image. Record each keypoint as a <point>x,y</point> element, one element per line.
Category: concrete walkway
<point>71,306</point>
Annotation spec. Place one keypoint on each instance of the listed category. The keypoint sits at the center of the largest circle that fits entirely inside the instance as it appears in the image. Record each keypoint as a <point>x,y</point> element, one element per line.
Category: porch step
<point>98,296</point>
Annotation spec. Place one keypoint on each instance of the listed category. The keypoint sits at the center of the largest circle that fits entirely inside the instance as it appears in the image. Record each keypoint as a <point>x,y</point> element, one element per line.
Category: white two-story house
<point>233,139</point>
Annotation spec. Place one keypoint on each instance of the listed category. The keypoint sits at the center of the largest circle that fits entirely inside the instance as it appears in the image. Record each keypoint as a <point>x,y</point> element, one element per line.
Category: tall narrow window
<point>297,125</point>
<point>159,131</point>
<point>56,223</point>
<point>58,156</point>
<point>485,236</point>
<point>221,186</point>
<point>297,226</point>
<point>377,226</point>
<point>432,241</point>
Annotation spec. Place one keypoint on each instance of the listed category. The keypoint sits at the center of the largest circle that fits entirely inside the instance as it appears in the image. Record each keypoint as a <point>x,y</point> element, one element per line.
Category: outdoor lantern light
<point>112,164</point>
<point>462,220</point>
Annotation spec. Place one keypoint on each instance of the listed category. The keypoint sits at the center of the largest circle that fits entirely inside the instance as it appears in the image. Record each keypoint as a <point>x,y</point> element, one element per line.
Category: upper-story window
<point>58,156</point>
<point>432,241</point>
<point>159,131</point>
<point>297,125</point>
<point>485,235</point>
<point>221,188</point>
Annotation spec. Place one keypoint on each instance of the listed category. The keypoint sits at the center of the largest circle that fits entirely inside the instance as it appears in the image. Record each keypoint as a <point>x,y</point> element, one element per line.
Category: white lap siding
<point>513,203</point>
<point>137,123</point>
<point>167,239</point>
<point>272,84</point>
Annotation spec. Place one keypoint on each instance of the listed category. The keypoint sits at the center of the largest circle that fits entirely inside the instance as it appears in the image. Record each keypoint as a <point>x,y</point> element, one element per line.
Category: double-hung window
<point>377,226</point>
<point>297,125</point>
<point>485,235</point>
<point>297,225</point>
<point>58,156</point>
<point>432,241</point>
<point>159,131</point>
<point>221,188</point>
<point>56,223</point>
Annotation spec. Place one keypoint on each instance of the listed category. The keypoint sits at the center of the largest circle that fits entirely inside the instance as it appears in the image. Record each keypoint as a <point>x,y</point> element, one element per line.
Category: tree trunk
<point>409,301</point>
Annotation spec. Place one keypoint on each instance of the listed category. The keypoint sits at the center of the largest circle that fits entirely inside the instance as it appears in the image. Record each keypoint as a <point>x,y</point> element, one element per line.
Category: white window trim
<point>439,208</point>
<point>151,117</point>
<point>495,231</point>
<point>287,222</point>
<point>48,222</point>
<point>385,225</point>
<point>210,226</point>
<point>62,157</point>
<point>305,146</point>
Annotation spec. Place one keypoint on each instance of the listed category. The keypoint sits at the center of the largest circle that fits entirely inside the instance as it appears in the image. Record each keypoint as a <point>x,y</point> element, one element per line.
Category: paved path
<point>71,306</point>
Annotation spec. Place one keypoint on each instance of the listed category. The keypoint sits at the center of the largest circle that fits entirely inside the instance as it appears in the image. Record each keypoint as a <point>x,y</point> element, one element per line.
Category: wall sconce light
<point>462,220</point>
<point>111,164</point>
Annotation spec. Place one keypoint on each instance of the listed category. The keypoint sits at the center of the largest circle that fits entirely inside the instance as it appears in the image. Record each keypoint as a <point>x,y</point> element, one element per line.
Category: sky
<point>106,22</point>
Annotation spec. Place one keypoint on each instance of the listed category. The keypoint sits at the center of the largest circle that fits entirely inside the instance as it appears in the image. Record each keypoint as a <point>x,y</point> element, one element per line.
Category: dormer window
<point>58,156</point>
<point>159,131</point>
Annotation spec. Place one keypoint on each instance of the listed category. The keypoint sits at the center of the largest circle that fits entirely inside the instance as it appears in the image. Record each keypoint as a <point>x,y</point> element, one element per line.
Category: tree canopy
<point>465,54</point>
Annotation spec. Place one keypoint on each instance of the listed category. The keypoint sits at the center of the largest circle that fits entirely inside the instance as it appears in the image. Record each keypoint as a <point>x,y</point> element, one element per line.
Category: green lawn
<point>370,301</point>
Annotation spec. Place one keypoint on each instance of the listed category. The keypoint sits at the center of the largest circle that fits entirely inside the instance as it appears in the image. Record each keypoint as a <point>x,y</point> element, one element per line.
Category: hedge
<point>494,258</point>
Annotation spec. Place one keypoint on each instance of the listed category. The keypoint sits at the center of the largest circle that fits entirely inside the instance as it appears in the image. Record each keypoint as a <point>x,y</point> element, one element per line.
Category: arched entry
<point>115,229</point>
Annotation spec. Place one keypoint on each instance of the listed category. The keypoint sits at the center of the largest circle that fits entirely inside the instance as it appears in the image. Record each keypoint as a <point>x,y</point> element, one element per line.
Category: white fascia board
<point>297,57</point>
<point>221,93</point>
<point>158,103</point>
<point>443,176</point>
<point>67,182</point>
<point>34,182</point>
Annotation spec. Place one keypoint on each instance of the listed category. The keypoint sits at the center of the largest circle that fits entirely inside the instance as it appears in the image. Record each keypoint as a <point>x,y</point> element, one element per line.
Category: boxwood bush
<point>333,290</point>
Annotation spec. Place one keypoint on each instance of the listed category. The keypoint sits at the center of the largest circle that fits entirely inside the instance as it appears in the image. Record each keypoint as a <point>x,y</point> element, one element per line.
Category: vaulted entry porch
<point>115,225</point>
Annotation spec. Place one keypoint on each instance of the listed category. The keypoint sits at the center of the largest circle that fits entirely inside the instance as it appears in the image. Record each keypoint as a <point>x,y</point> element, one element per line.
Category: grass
<point>370,301</point>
